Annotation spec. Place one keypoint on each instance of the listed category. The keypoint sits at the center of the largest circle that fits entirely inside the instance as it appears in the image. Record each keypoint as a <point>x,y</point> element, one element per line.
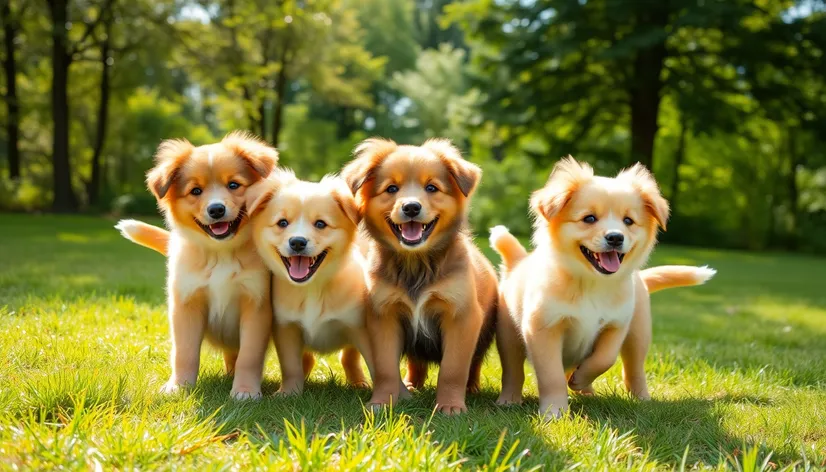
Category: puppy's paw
<point>361,384</point>
<point>587,391</point>
<point>579,382</point>
<point>171,387</point>
<point>451,408</point>
<point>553,409</point>
<point>509,399</point>
<point>288,390</point>
<point>245,395</point>
<point>474,388</point>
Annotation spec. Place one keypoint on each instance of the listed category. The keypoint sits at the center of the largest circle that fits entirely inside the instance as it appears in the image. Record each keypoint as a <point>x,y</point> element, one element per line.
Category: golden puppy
<point>307,232</point>
<point>218,286</point>
<point>433,293</point>
<point>579,300</point>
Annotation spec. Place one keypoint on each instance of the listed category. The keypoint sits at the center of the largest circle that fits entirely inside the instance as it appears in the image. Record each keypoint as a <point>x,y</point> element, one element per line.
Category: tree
<point>600,63</point>
<point>11,21</point>
<point>281,48</point>
<point>64,51</point>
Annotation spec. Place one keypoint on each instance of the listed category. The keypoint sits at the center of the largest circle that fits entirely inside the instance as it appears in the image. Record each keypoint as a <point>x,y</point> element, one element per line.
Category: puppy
<point>433,293</point>
<point>217,285</point>
<point>579,300</point>
<point>307,234</point>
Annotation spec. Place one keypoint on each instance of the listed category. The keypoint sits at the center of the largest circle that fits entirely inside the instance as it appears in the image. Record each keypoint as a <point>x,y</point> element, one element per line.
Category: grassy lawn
<point>737,372</point>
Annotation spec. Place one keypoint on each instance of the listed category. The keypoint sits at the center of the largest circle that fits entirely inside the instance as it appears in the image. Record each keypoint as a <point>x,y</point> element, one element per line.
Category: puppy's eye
<point>392,189</point>
<point>590,219</point>
<point>628,221</point>
<point>283,223</point>
<point>233,185</point>
<point>196,191</point>
<point>431,188</point>
<point>320,224</point>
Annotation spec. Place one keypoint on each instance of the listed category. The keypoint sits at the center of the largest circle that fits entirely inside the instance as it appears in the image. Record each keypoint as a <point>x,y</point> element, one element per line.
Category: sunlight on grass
<point>737,371</point>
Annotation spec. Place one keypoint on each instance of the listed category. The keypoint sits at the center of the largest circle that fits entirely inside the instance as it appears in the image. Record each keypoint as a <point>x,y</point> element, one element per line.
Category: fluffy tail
<point>672,276</point>
<point>507,246</point>
<point>145,234</point>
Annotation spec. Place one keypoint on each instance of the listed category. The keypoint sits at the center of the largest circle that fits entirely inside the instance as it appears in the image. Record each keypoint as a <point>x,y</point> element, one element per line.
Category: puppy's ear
<point>263,191</point>
<point>368,155</point>
<point>344,197</point>
<point>258,155</point>
<point>258,196</point>
<point>465,174</point>
<point>642,179</point>
<point>171,155</point>
<point>567,176</point>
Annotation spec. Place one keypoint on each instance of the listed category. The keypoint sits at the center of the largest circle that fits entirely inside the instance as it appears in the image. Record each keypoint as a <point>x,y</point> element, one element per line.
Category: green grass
<point>737,372</point>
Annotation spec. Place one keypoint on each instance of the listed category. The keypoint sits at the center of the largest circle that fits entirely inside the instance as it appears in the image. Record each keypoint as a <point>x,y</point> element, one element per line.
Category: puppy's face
<point>600,226</point>
<point>413,198</point>
<point>205,190</point>
<point>305,229</point>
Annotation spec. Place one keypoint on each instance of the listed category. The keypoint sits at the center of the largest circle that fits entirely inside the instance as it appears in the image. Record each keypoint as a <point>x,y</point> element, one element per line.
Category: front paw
<point>474,388</point>
<point>245,394</point>
<point>553,409</point>
<point>361,384</point>
<point>507,398</point>
<point>451,408</point>
<point>288,390</point>
<point>171,387</point>
<point>580,382</point>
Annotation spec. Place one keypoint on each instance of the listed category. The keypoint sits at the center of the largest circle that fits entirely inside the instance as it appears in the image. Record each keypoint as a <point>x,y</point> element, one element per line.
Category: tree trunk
<point>103,116</point>
<point>280,89</point>
<point>679,158</point>
<point>646,85</point>
<point>64,196</point>
<point>10,30</point>
<point>262,119</point>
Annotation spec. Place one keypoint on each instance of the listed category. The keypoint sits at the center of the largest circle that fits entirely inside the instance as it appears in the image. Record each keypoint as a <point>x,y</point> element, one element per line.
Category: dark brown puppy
<point>433,292</point>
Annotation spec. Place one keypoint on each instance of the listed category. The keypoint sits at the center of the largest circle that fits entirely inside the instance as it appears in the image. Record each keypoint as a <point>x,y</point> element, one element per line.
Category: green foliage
<point>723,100</point>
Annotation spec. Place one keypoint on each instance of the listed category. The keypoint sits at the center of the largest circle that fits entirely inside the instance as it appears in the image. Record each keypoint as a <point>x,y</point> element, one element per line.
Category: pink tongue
<point>219,228</point>
<point>412,231</point>
<point>609,261</point>
<point>299,266</point>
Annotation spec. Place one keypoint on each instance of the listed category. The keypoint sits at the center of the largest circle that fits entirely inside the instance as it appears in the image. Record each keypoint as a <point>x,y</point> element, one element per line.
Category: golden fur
<point>579,300</point>
<point>433,293</point>
<point>325,311</point>
<point>217,285</point>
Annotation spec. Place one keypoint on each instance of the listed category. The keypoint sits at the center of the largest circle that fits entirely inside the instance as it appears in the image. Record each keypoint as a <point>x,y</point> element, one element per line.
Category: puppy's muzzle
<point>614,240</point>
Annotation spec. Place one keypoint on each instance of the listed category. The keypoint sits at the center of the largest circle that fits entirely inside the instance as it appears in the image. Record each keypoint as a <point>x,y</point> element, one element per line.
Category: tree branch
<point>80,45</point>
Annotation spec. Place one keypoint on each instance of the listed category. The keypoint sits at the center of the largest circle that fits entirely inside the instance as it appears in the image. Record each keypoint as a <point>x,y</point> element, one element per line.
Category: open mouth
<point>222,229</point>
<point>604,262</point>
<point>302,268</point>
<point>412,233</point>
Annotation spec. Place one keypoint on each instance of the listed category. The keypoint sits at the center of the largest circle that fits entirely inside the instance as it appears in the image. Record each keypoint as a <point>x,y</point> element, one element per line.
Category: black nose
<point>614,239</point>
<point>411,209</point>
<point>298,243</point>
<point>217,210</point>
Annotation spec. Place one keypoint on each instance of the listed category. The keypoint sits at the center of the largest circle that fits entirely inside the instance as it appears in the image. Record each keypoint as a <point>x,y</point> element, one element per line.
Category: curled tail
<point>672,276</point>
<point>145,234</point>
<point>507,246</point>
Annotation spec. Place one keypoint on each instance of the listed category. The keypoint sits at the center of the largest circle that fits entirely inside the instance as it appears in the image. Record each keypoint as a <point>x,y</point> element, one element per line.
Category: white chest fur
<point>225,280</point>
<point>589,315</point>
<point>324,327</point>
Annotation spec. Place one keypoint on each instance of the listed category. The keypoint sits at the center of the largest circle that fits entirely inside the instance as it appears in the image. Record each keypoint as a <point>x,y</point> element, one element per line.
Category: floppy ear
<point>368,155</point>
<point>465,174</point>
<point>257,154</point>
<point>567,176</point>
<point>259,195</point>
<point>169,158</point>
<point>262,192</point>
<point>642,179</point>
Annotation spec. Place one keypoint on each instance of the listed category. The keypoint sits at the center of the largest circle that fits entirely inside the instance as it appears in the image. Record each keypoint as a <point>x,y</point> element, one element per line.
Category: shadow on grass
<point>330,408</point>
